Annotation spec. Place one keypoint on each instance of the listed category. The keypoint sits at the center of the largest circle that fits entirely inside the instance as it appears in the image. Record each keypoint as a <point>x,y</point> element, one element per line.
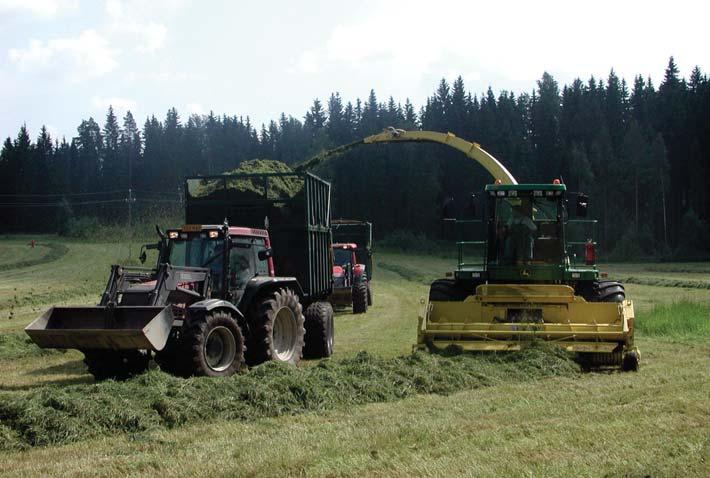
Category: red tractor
<point>351,285</point>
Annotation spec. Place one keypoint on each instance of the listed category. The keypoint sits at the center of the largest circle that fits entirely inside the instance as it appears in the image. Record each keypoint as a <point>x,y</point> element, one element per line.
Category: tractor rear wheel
<point>116,364</point>
<point>277,328</point>
<point>215,345</point>
<point>369,294</point>
<point>319,330</point>
<point>360,298</point>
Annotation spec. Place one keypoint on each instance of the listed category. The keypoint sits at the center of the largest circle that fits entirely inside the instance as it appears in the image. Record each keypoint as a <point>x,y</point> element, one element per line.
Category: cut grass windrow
<point>55,415</point>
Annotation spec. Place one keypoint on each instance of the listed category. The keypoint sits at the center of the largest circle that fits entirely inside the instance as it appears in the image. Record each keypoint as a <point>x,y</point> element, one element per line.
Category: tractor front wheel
<point>319,330</point>
<point>369,294</point>
<point>277,328</point>
<point>360,298</point>
<point>215,345</point>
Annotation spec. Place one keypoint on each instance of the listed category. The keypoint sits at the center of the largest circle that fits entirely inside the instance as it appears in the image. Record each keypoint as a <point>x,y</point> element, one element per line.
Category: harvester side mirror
<point>265,254</point>
<point>582,201</point>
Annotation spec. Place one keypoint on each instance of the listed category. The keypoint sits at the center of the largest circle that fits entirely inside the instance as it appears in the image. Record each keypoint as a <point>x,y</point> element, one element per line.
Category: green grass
<point>51,415</point>
<point>680,320</point>
<point>383,413</point>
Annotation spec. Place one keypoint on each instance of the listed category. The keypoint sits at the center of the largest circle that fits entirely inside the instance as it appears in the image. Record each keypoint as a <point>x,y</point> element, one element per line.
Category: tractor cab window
<point>527,230</point>
<point>244,262</point>
<point>342,257</point>
<point>198,251</point>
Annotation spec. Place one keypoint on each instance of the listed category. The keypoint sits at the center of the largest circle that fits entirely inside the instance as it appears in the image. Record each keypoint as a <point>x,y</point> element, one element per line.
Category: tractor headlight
<point>213,234</point>
<point>172,235</point>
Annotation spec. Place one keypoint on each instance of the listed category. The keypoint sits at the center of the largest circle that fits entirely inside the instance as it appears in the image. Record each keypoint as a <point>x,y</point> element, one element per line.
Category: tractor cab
<point>234,255</point>
<point>526,236</point>
<point>345,265</point>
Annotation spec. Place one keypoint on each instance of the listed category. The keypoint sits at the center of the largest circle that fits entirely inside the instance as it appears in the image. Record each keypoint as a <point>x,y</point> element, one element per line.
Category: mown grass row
<point>661,282</point>
<point>54,415</point>
<point>56,251</point>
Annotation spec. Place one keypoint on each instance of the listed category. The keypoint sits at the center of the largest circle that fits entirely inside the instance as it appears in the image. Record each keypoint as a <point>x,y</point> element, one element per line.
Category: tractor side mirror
<point>143,255</point>
<point>265,254</point>
<point>582,201</point>
<point>471,210</point>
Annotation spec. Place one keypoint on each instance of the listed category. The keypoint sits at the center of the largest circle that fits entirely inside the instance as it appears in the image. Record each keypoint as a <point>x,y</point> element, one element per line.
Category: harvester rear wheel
<point>116,364</point>
<point>360,298</point>
<point>277,328</point>
<point>319,330</point>
<point>447,290</point>
<point>604,291</point>
<point>215,345</point>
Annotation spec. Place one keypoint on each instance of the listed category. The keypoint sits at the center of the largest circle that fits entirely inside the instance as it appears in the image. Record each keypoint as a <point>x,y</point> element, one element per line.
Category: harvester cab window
<point>527,229</point>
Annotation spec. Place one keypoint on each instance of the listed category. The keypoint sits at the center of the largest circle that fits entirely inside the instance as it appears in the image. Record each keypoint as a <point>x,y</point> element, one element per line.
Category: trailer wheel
<point>215,345</point>
<point>360,298</point>
<point>369,294</point>
<point>319,330</point>
<point>116,364</point>
<point>277,328</point>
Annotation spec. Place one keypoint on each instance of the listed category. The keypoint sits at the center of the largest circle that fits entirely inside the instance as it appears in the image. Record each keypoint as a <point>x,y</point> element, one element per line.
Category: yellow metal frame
<point>480,321</point>
<point>472,150</point>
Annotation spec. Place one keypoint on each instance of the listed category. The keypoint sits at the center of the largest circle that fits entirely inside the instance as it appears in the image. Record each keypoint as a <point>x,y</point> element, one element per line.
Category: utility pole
<point>130,200</point>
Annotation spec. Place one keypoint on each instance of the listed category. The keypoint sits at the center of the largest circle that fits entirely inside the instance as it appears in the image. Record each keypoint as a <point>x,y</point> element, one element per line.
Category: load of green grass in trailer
<point>155,400</point>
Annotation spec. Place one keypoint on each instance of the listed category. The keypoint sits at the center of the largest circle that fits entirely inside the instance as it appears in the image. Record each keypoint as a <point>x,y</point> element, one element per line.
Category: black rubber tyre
<point>369,294</point>
<point>276,325</point>
<point>447,290</point>
<point>319,330</point>
<point>603,291</point>
<point>215,345</point>
<point>360,298</point>
<point>116,364</point>
<point>630,362</point>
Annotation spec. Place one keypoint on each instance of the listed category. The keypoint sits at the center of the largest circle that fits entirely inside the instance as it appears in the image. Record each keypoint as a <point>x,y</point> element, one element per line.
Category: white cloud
<point>45,8</point>
<point>125,19</point>
<point>120,105</point>
<point>195,109</point>
<point>88,55</point>
<point>307,62</point>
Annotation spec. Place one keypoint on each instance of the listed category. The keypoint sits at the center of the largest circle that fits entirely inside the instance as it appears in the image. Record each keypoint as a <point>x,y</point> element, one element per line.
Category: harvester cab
<point>525,277</point>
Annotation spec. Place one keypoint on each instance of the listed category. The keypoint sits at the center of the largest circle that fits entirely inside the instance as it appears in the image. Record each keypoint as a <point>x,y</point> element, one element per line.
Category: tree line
<point>641,152</point>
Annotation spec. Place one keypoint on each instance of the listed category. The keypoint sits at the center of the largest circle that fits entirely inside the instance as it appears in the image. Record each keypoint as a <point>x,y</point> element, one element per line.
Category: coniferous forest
<point>640,151</point>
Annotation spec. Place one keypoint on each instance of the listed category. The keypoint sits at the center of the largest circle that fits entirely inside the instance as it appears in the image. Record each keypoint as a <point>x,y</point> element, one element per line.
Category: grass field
<point>366,415</point>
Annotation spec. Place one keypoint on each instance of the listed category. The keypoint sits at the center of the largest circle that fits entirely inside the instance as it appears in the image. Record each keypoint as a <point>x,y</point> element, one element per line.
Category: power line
<point>98,193</point>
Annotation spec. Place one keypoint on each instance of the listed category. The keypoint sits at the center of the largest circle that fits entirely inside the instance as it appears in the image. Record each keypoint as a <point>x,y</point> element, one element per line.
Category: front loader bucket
<point>509,316</point>
<point>116,328</point>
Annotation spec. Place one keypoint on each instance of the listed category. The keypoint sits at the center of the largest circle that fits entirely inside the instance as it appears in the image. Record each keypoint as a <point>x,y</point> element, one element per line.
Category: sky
<point>62,61</point>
